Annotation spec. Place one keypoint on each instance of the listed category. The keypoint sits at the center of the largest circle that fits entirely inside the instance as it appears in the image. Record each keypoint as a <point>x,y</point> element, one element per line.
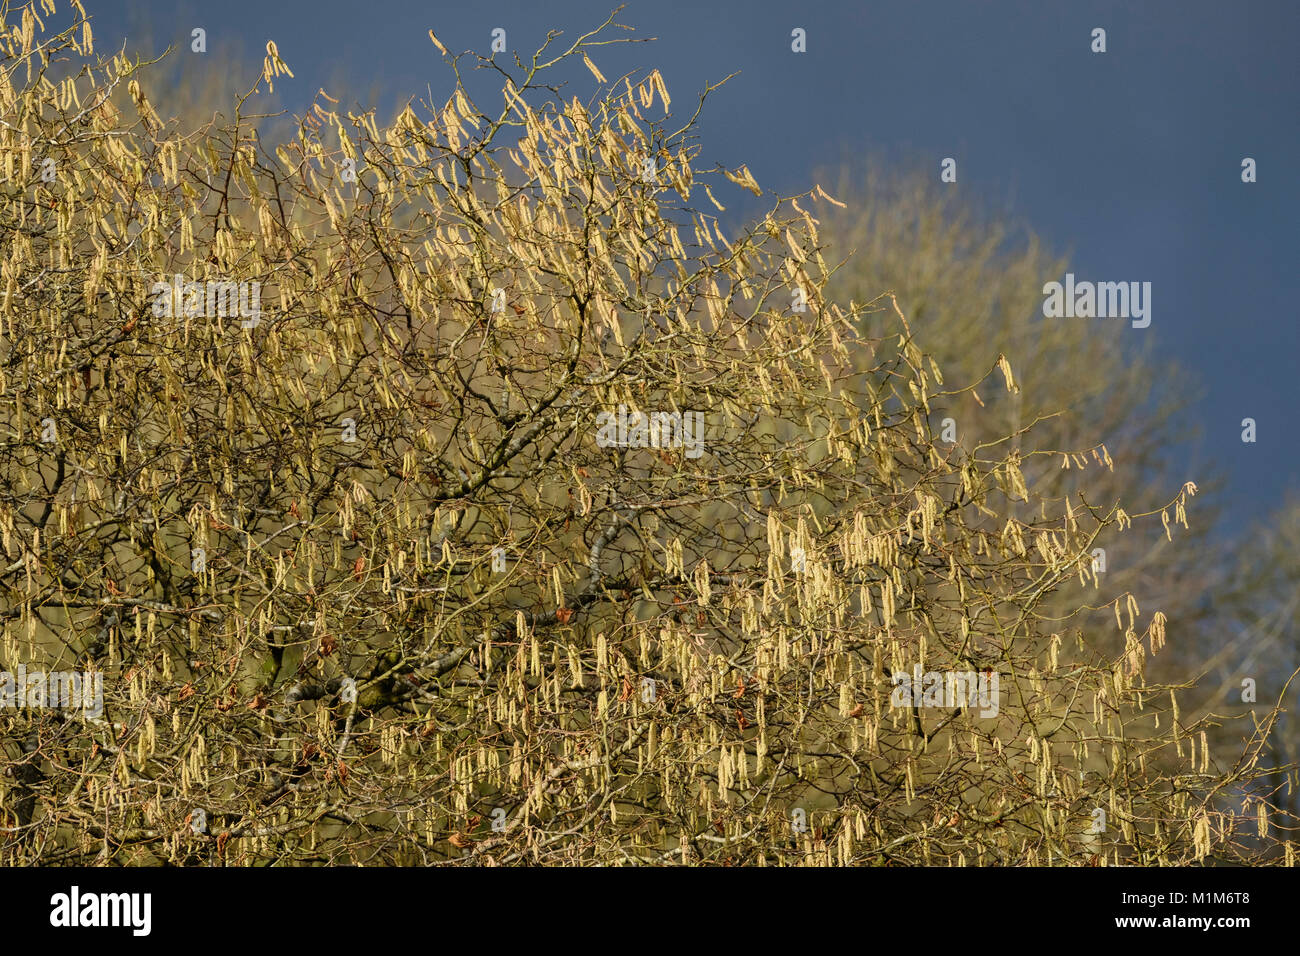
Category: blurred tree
<point>971,282</point>
<point>1251,659</point>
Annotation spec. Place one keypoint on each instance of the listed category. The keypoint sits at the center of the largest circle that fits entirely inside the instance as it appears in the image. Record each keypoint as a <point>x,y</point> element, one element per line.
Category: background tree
<point>1252,656</point>
<point>971,281</point>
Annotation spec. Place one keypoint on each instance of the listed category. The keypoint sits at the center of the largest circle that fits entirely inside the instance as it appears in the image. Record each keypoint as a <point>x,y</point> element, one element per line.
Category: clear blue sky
<point>1129,160</point>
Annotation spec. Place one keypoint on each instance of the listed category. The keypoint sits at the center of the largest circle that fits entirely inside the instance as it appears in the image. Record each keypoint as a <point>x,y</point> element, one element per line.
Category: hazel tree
<point>459,490</point>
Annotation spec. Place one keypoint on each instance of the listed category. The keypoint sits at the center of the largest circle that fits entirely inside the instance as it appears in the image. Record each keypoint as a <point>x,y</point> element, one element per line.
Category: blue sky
<point>1128,160</point>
